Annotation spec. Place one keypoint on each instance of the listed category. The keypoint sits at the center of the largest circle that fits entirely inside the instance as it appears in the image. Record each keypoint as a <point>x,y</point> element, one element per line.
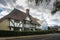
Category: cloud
<point>10,2</point>
<point>0,10</point>
<point>20,7</point>
<point>3,2</point>
<point>3,13</point>
<point>42,11</point>
<point>6,6</point>
<point>56,18</point>
<point>21,3</point>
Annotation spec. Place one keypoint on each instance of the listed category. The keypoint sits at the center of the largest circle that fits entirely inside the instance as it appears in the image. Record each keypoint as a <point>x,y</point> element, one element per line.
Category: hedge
<point>21,33</point>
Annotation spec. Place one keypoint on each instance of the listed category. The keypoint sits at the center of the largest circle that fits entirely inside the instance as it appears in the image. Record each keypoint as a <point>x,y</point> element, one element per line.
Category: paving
<point>54,36</point>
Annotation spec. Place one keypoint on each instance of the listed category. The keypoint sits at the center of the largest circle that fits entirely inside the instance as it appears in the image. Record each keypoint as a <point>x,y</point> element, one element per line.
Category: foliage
<point>48,28</point>
<point>20,33</point>
<point>37,1</point>
<point>57,7</point>
<point>52,29</point>
<point>24,33</point>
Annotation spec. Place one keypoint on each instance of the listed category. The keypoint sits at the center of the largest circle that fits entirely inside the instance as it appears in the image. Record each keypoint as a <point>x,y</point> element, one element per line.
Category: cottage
<point>18,20</point>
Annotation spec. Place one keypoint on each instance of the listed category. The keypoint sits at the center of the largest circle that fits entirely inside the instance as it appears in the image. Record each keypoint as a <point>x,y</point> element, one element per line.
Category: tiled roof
<point>19,15</point>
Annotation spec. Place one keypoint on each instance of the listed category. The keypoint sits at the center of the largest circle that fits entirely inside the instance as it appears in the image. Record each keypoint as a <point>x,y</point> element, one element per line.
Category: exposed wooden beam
<point>12,22</point>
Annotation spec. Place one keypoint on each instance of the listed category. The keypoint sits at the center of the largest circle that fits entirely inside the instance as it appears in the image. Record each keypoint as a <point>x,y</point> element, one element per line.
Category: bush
<point>22,33</point>
<point>57,31</point>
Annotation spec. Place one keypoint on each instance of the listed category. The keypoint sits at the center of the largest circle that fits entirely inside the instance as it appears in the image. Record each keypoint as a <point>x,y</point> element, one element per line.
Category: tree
<point>37,1</point>
<point>57,7</point>
<point>48,28</point>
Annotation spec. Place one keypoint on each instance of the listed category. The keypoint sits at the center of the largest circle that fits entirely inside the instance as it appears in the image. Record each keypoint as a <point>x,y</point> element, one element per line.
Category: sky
<point>42,12</point>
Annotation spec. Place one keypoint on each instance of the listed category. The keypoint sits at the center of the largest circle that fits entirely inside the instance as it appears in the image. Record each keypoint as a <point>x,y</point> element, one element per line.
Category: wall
<point>4,25</point>
<point>15,23</point>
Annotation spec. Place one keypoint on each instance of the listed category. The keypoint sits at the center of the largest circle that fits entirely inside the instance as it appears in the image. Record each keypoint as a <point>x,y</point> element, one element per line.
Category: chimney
<point>27,11</point>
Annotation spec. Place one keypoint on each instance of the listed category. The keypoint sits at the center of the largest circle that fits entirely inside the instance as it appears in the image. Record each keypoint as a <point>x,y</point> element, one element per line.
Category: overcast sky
<point>42,12</point>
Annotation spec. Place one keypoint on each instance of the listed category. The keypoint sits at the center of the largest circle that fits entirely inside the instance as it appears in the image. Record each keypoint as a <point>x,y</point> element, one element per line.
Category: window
<point>27,21</point>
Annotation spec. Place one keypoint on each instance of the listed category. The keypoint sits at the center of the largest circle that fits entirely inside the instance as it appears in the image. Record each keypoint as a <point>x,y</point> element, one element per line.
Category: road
<point>55,36</point>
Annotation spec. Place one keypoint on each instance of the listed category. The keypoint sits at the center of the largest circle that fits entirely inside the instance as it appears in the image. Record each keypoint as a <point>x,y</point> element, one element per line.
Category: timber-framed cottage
<point>18,20</point>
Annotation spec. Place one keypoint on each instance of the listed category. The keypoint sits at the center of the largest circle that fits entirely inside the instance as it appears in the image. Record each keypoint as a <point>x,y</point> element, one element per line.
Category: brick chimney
<point>27,11</point>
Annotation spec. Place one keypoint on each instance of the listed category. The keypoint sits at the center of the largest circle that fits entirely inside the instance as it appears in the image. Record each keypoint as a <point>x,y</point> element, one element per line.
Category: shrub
<point>22,33</point>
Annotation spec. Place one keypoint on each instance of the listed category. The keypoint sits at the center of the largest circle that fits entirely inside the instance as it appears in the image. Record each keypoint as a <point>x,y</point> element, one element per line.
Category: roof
<point>19,15</point>
<point>15,14</point>
<point>34,20</point>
